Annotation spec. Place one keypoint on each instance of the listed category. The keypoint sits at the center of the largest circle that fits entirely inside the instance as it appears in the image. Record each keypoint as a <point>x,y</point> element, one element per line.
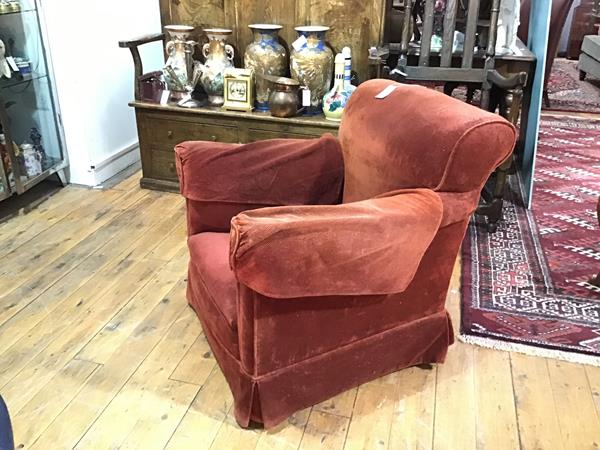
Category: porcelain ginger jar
<point>218,56</point>
<point>265,56</point>
<point>311,63</point>
<point>179,58</point>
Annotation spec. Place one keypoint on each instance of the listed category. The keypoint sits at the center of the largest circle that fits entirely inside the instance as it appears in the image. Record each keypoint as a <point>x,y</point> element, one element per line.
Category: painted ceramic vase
<point>312,64</point>
<point>179,51</point>
<point>348,86</point>
<point>334,102</point>
<point>266,56</point>
<point>218,56</point>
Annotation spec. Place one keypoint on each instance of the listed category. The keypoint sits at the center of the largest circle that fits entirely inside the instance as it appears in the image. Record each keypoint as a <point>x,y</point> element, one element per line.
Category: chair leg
<point>449,88</point>
<point>470,93</point>
<point>492,210</point>
<point>595,280</point>
<point>546,99</point>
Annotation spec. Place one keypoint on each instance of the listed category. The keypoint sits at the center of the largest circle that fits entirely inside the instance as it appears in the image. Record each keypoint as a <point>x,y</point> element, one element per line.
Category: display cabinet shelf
<point>4,83</point>
<point>31,143</point>
<point>14,13</point>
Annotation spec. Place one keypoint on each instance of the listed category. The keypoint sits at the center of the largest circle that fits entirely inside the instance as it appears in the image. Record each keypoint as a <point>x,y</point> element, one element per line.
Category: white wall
<point>94,79</point>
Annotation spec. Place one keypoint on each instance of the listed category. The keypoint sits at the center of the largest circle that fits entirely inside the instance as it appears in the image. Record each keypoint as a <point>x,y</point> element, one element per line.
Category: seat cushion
<point>213,287</point>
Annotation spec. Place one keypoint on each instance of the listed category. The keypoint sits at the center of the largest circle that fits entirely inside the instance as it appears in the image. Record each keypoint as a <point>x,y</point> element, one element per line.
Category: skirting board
<point>115,163</point>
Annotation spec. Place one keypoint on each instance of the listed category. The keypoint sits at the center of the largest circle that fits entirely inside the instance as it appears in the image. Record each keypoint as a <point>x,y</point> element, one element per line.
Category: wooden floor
<point>98,349</point>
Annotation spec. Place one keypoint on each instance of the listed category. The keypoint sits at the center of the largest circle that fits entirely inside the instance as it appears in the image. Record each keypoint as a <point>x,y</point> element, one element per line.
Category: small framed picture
<point>238,85</point>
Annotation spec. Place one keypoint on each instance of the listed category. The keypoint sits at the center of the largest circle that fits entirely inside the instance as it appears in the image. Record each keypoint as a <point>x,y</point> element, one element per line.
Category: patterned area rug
<point>525,288</point>
<point>567,93</point>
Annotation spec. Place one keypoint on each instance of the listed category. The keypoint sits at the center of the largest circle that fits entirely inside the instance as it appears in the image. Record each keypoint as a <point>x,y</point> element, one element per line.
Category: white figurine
<point>5,70</point>
<point>508,22</point>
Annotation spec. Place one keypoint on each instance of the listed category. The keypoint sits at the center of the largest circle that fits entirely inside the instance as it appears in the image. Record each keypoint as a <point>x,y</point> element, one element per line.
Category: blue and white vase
<point>311,63</point>
<point>265,56</point>
<point>334,102</point>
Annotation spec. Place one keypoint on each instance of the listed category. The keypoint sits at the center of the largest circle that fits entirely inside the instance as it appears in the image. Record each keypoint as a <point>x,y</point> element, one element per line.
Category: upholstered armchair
<point>317,265</point>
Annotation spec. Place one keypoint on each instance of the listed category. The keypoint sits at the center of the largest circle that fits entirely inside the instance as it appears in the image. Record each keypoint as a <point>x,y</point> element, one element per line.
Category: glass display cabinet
<point>31,143</point>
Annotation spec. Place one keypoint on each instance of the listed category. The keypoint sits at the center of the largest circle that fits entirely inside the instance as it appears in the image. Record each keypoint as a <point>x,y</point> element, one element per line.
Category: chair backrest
<point>418,137</point>
<point>442,65</point>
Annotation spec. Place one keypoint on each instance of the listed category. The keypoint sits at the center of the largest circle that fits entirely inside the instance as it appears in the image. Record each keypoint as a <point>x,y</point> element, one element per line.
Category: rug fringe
<point>530,350</point>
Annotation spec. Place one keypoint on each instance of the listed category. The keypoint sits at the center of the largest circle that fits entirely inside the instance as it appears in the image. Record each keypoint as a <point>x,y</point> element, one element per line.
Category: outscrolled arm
<point>364,248</point>
<point>220,180</point>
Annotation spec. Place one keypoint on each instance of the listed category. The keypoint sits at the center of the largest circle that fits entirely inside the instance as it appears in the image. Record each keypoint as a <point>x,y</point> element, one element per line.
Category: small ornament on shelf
<point>14,6</point>
<point>31,159</point>
<point>36,140</point>
<point>5,69</point>
<point>334,102</point>
<point>238,89</point>
<point>348,86</point>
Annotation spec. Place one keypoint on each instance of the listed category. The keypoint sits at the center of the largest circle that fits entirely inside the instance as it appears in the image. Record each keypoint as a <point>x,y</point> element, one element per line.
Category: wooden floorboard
<point>99,350</point>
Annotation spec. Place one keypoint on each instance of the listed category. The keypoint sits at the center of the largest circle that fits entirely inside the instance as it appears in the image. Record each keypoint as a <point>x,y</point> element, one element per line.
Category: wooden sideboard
<point>161,128</point>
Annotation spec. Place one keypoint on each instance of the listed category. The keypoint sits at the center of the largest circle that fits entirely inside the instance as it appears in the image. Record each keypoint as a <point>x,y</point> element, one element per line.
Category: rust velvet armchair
<point>320,264</point>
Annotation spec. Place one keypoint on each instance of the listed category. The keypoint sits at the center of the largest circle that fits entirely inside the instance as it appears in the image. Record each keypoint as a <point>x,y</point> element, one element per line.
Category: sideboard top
<point>319,121</point>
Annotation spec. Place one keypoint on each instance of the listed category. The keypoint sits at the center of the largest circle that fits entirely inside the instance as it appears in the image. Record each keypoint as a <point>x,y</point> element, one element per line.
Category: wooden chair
<point>471,67</point>
<point>447,66</point>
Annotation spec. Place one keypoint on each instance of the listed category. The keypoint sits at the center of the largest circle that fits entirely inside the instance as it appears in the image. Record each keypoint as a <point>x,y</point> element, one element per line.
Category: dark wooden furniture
<point>586,17</point>
<point>558,16</point>
<point>133,46</point>
<point>447,66</point>
<point>474,66</point>
<point>389,52</point>
<point>508,101</point>
<point>161,128</point>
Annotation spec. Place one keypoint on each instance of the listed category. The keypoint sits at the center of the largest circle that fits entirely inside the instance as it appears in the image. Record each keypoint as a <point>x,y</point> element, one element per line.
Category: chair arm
<point>132,45</point>
<point>223,179</point>
<point>141,40</point>
<point>369,247</point>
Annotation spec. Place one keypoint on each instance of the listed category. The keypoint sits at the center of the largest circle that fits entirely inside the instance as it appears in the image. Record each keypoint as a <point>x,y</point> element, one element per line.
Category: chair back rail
<point>425,69</point>
<point>449,27</point>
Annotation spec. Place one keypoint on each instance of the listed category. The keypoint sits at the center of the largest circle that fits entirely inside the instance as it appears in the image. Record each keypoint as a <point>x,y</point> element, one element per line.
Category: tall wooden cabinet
<point>31,141</point>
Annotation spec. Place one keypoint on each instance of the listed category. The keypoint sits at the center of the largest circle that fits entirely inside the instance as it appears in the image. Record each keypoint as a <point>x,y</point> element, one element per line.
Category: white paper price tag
<point>185,99</point>
<point>164,99</point>
<point>306,97</point>
<point>12,63</point>
<point>387,91</point>
<point>299,43</point>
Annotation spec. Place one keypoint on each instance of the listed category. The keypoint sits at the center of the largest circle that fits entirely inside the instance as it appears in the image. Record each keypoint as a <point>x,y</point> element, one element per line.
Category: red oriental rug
<point>568,93</point>
<point>525,288</point>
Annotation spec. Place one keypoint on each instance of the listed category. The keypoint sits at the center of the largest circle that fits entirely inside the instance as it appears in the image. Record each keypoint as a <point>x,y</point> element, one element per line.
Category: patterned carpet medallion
<point>567,93</point>
<point>527,284</point>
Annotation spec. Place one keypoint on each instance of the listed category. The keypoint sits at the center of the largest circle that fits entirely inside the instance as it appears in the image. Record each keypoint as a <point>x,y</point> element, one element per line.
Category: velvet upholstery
<point>302,295</point>
<point>347,249</point>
